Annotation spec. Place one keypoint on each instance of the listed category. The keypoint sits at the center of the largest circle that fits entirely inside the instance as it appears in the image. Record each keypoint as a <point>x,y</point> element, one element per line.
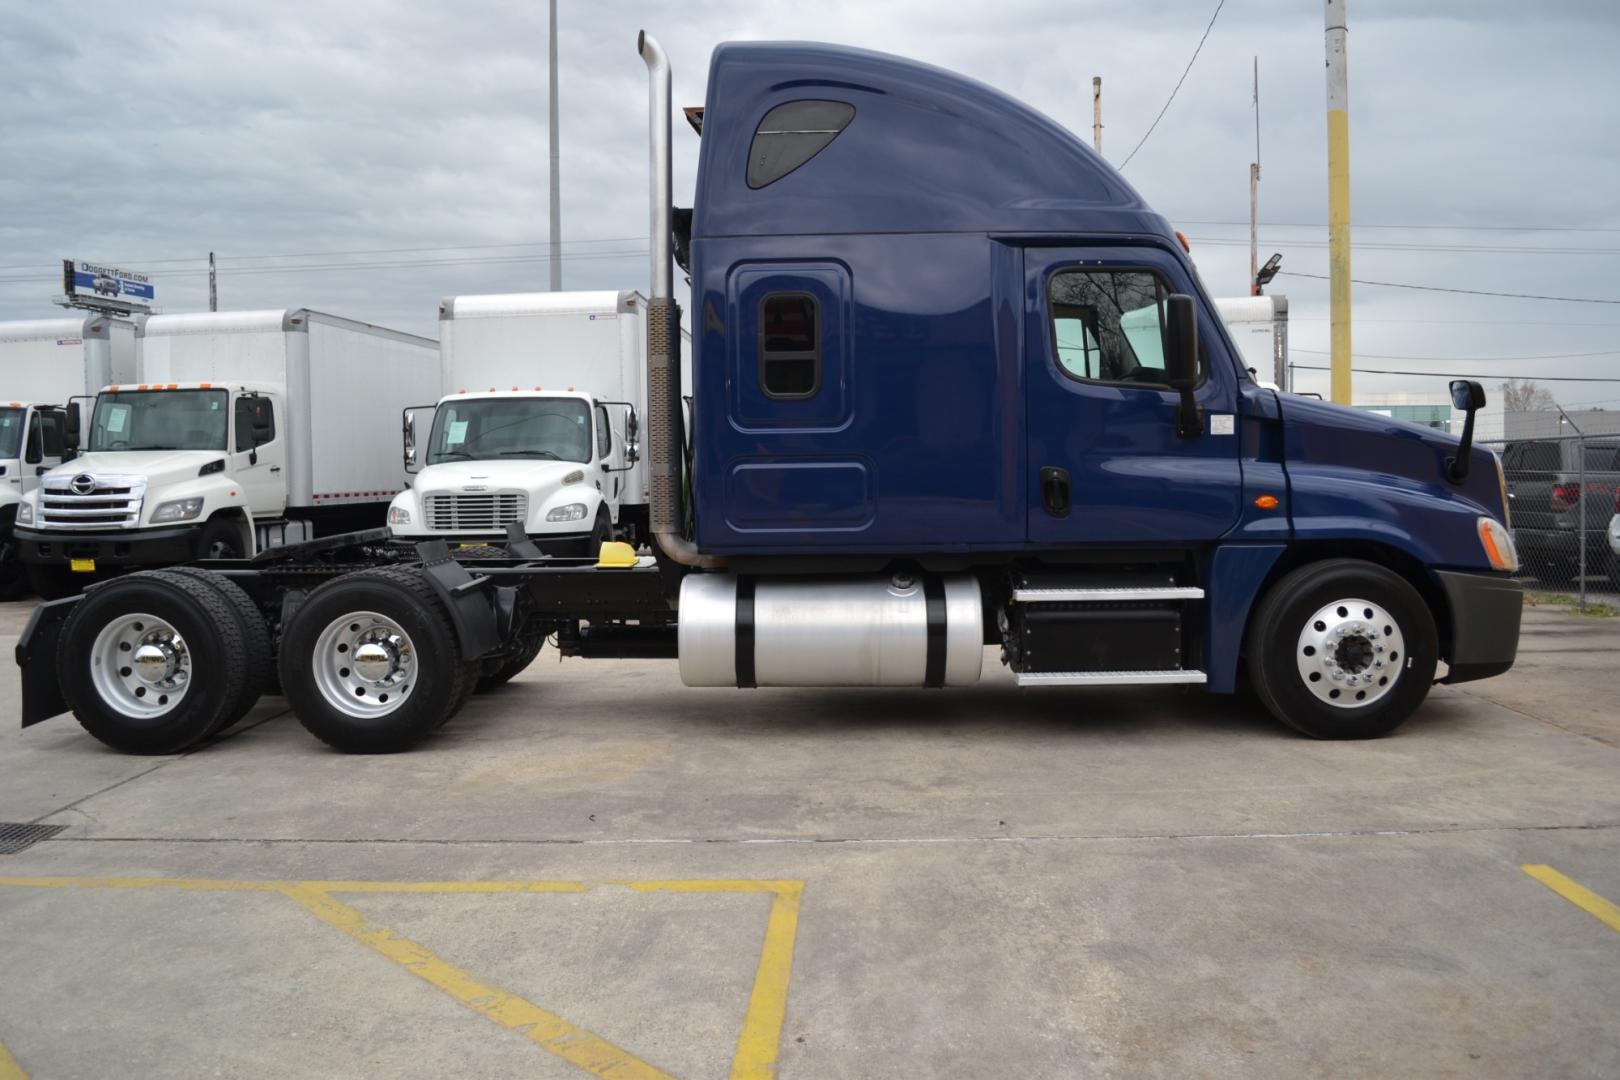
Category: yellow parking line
<point>1576,893</point>
<point>757,1045</point>
<point>9,1069</point>
<point>761,1036</point>
<point>547,1030</point>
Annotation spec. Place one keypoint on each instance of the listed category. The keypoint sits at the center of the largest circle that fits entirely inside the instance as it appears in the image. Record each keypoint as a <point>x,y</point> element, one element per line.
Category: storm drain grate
<point>15,837</point>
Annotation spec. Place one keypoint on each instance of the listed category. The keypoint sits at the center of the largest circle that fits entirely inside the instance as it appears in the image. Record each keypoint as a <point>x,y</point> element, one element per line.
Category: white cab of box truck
<point>45,364</point>
<point>242,430</point>
<point>538,425</point>
<point>1258,326</point>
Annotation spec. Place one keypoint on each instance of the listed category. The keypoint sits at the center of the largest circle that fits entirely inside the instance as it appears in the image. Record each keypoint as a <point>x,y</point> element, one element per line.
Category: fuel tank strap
<point>745,633</point>
<point>934,599</point>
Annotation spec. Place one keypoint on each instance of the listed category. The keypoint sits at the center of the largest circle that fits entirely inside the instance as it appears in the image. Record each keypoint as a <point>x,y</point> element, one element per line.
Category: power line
<point>1434,225</point>
<point>1179,81</point>
<point>364,251</point>
<point>1389,245</point>
<point>1470,359</point>
<point>396,265</point>
<point>1469,292</point>
<point>1460,375</point>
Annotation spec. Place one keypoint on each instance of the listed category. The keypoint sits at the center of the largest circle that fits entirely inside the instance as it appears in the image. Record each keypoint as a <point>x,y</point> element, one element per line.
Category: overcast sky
<point>1484,146</point>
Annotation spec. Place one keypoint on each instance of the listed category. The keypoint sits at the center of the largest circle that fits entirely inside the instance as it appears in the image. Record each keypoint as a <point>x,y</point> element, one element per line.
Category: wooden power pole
<point>1096,113</point>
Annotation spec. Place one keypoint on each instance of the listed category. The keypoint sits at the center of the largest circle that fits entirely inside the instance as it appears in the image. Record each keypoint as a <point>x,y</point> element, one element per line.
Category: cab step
<point>1089,595</point>
<point>1109,678</point>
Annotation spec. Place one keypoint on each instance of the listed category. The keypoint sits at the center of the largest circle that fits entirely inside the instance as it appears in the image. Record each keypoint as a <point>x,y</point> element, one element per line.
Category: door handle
<point>275,468</point>
<point>1055,490</point>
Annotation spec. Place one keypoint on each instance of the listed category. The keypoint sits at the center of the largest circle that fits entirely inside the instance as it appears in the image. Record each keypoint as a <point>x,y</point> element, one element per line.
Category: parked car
<point>1550,496</point>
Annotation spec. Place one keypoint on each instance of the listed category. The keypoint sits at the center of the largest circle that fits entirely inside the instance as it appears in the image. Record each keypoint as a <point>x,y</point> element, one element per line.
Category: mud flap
<point>36,655</point>
<point>471,611</point>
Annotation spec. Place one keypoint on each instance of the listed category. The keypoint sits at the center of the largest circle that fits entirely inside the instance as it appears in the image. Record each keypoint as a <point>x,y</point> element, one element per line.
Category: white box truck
<point>543,394</point>
<point>242,431</point>
<point>44,364</point>
<point>1259,328</point>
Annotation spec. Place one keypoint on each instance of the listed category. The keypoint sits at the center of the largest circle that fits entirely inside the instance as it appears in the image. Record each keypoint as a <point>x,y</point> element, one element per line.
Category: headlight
<point>178,510</point>
<point>571,512</point>
<point>25,513</point>
<point>398,515</point>
<point>1498,544</point>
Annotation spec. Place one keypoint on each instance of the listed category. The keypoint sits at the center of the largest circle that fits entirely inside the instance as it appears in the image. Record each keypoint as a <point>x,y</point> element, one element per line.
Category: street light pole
<point>556,157</point>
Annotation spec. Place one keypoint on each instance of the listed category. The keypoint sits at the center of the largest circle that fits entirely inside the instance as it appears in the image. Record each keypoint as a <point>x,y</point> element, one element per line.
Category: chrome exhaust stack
<point>664,453</point>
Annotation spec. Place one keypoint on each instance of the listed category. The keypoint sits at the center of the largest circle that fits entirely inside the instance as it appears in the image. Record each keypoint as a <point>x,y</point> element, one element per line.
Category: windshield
<point>160,420</point>
<point>11,429</point>
<point>544,429</point>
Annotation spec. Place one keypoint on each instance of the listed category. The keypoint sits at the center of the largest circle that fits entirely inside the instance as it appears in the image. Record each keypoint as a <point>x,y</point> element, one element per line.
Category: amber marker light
<point>1266,502</point>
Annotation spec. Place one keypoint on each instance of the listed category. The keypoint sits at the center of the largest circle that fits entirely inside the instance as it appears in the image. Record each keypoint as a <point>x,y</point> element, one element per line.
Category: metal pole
<point>1254,192</point>
<point>556,158</point>
<point>1096,113</point>
<point>213,292</point>
<point>1580,501</point>
<point>1338,125</point>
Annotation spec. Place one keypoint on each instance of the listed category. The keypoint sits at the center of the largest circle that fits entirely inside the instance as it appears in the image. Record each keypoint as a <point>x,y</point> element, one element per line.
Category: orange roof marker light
<point>1181,236</point>
<point>205,386</point>
<point>1266,502</point>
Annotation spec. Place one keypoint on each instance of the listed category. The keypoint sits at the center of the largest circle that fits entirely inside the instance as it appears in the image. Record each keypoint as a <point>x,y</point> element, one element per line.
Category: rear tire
<point>55,582</point>
<point>371,664</point>
<point>189,648</point>
<point>260,668</point>
<point>1342,649</point>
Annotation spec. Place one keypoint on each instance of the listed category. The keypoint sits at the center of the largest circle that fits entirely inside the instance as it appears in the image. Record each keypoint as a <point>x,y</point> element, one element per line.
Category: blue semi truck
<point>956,387</point>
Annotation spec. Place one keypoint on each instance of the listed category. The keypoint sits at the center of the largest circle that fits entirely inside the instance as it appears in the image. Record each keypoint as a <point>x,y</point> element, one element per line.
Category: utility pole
<point>556,158</point>
<point>213,292</point>
<point>1338,125</point>
<point>1096,113</point>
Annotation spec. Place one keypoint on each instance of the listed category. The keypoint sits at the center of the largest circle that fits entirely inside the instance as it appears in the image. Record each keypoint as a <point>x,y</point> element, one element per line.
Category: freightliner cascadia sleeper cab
<point>957,393</point>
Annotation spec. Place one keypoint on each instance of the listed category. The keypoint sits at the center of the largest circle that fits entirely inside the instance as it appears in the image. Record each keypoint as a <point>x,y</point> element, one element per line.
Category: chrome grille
<point>482,512</point>
<point>85,501</point>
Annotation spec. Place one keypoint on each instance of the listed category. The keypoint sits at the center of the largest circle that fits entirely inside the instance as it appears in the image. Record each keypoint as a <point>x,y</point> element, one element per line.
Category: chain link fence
<point>1563,483</point>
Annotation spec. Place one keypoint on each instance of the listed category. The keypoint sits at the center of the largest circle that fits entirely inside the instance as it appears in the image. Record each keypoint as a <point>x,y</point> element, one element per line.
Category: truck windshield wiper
<point>442,454</point>
<point>547,454</point>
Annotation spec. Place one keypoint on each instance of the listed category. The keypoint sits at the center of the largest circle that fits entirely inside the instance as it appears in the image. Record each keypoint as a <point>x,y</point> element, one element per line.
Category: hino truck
<point>240,431</point>
<point>542,405</point>
<point>45,364</point>
<point>928,430</point>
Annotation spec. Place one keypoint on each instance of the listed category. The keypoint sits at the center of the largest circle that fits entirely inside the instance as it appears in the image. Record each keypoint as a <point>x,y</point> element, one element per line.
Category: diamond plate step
<point>1054,596</point>
<point>1107,678</point>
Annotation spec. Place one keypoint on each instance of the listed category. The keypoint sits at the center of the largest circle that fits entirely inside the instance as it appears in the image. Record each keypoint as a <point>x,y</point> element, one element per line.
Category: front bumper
<point>125,547</point>
<point>572,545</point>
<point>1485,612</point>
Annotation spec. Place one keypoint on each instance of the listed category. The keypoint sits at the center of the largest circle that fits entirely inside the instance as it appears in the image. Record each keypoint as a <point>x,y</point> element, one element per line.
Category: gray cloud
<point>150,136</point>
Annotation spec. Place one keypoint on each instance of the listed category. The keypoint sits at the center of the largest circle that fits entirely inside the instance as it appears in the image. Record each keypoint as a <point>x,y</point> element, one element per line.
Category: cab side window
<point>1108,326</point>
<point>50,430</point>
<point>246,409</point>
<point>789,345</point>
<point>604,434</point>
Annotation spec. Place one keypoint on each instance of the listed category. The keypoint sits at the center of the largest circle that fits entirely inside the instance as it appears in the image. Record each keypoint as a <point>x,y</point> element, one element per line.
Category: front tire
<point>221,539</point>
<point>1342,649</point>
<point>371,664</point>
<point>152,663</point>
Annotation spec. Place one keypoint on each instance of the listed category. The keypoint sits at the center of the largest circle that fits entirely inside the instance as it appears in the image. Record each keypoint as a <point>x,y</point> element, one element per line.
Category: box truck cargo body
<point>44,364</point>
<point>538,426</point>
<point>240,431</point>
<point>1258,326</point>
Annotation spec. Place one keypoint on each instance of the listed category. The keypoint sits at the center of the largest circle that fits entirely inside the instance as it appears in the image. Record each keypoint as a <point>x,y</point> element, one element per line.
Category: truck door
<point>259,455</point>
<point>1106,464</point>
<point>43,450</point>
<point>608,479</point>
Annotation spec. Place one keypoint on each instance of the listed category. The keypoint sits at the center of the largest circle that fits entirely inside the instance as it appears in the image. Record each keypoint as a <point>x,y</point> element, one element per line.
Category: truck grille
<point>91,502</point>
<point>481,513</point>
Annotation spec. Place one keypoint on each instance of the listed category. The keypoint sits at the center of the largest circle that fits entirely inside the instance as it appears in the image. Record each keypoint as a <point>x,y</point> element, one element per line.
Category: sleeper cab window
<point>789,345</point>
<point>792,134</point>
<point>1108,326</point>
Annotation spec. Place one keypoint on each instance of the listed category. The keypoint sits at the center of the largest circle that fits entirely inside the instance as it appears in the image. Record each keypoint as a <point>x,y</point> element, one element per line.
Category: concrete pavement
<point>968,883</point>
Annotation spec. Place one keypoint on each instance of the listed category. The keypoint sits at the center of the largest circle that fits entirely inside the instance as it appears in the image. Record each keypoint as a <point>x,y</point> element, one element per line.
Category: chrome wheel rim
<point>1351,653</point>
<point>140,666</point>
<point>364,664</point>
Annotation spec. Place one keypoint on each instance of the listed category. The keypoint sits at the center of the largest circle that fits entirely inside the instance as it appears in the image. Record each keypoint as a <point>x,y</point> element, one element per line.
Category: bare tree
<point>1523,395</point>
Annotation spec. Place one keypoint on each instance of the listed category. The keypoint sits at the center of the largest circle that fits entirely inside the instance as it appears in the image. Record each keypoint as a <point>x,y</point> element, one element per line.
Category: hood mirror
<point>1468,397</point>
